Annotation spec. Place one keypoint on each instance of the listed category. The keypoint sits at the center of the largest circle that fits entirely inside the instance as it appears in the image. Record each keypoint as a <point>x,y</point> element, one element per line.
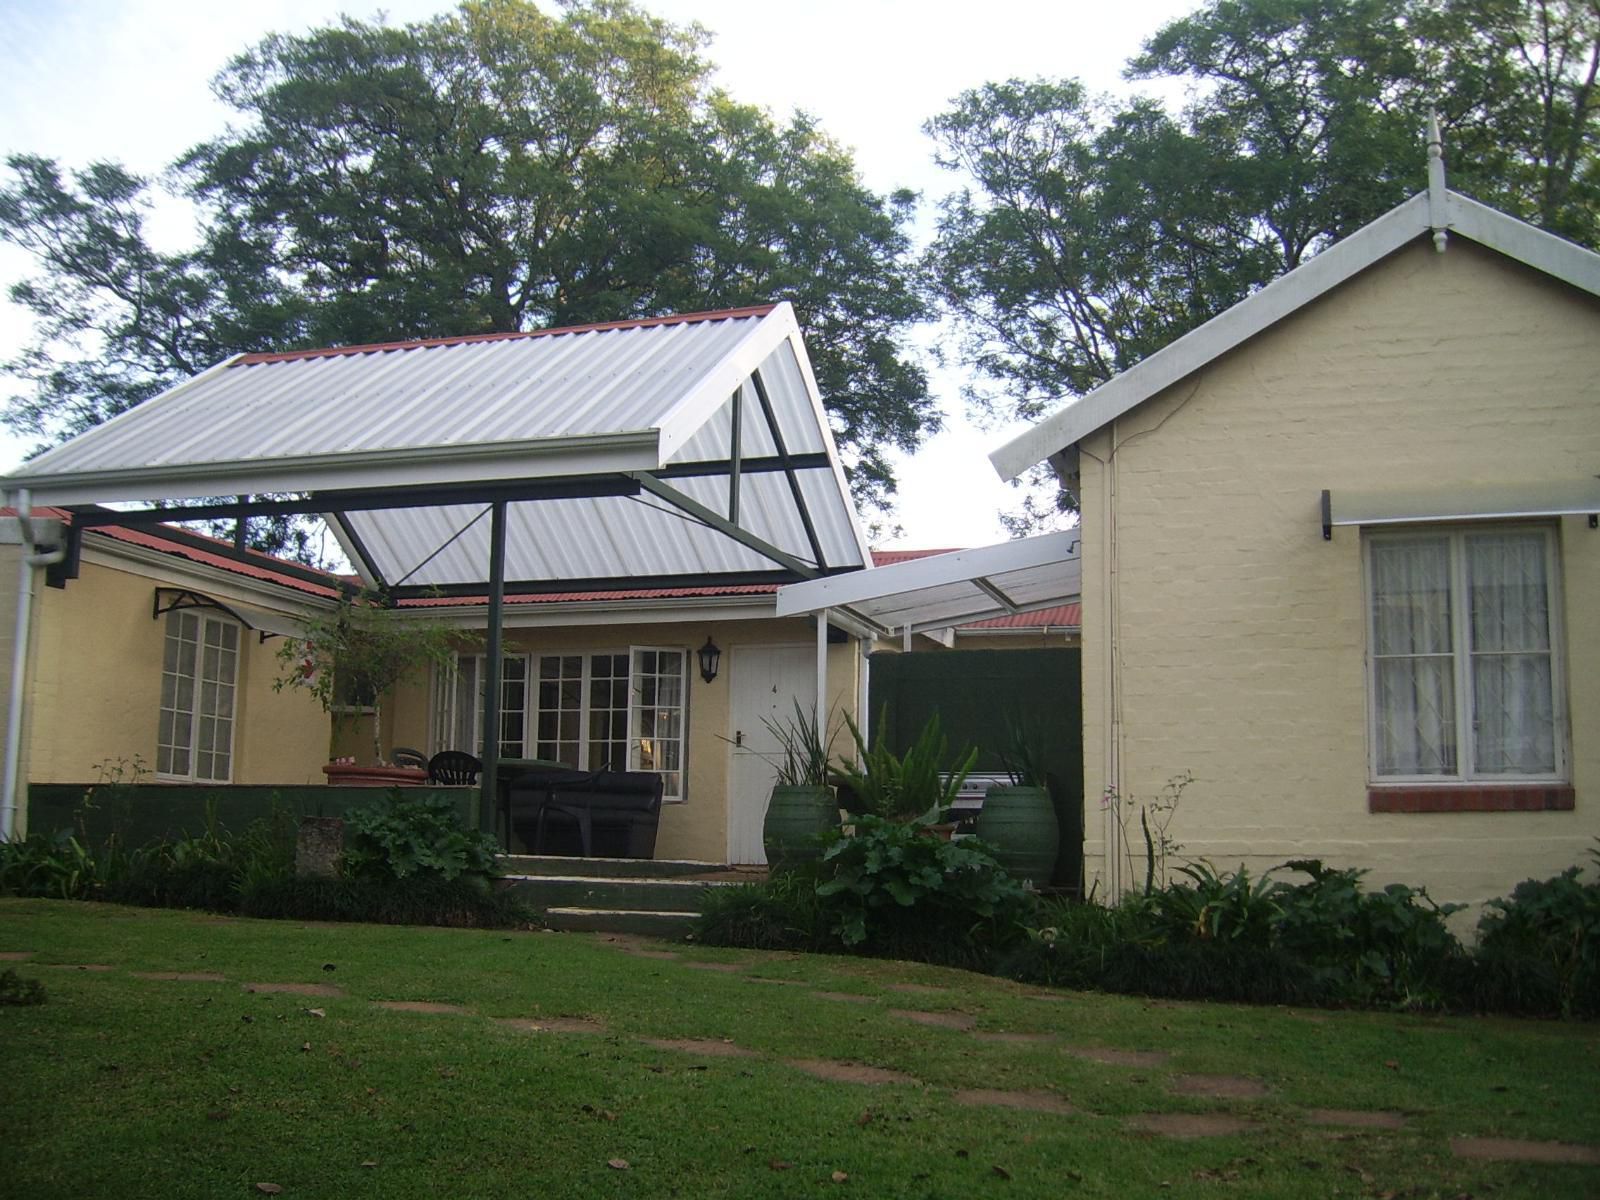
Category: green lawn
<point>120,1086</point>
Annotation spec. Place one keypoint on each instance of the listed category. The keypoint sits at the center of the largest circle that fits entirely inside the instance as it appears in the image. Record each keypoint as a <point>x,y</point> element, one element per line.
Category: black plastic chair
<point>405,756</point>
<point>454,767</point>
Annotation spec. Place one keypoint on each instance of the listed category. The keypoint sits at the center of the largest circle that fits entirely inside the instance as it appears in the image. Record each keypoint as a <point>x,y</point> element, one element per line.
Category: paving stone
<point>917,989</point>
<point>1190,1125</point>
<point>1492,1149</point>
<point>708,1047</point>
<point>848,1072</point>
<point>939,1020</point>
<point>420,1006</point>
<point>1119,1058</point>
<point>296,989</point>
<point>1013,1039</point>
<point>845,997</point>
<point>1356,1118</point>
<point>15,955</point>
<point>1220,1087</point>
<point>182,976</point>
<point>553,1024</point>
<point>97,967</point>
<point>1032,1101</point>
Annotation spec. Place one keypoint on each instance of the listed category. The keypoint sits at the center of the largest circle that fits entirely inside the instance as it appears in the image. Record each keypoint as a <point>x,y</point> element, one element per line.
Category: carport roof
<point>670,451</point>
<point>954,588</point>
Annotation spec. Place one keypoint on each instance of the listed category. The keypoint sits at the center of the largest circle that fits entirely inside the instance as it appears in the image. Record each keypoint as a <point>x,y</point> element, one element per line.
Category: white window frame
<point>196,714</point>
<point>447,721</point>
<point>1461,655</point>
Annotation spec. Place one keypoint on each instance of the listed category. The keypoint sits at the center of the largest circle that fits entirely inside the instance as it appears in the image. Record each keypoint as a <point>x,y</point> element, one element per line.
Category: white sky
<point>128,80</point>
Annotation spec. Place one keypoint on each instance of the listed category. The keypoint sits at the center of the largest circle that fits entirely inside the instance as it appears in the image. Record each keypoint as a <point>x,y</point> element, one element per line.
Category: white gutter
<point>30,558</point>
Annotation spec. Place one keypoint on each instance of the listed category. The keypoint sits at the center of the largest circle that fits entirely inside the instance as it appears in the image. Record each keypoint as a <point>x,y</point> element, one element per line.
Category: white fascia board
<point>534,458</point>
<point>697,406</point>
<point>1281,297</point>
<point>979,608</point>
<point>918,574</point>
<point>1518,240</point>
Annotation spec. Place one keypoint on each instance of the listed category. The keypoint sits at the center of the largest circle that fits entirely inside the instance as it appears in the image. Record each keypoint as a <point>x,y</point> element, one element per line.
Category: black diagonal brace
<point>722,525</point>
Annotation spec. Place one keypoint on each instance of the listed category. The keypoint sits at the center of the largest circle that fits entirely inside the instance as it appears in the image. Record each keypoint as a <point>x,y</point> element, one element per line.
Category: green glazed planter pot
<point>796,819</point>
<point>1020,823</point>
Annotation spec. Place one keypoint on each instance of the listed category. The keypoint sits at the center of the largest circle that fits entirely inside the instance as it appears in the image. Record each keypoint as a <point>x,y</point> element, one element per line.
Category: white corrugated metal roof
<point>652,396</point>
<point>942,590</point>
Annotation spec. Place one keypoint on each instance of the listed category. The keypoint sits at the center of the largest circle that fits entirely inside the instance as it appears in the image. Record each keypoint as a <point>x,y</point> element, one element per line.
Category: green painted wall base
<point>137,813</point>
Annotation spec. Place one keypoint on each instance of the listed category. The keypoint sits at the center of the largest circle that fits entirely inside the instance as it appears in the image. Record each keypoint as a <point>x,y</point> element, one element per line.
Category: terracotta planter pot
<point>350,775</point>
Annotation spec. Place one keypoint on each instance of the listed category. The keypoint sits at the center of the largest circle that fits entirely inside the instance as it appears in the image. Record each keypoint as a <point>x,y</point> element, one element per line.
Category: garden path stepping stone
<point>15,955</point>
<point>725,968</point>
<point>1190,1125</point>
<point>182,976</point>
<point>1219,1087</point>
<point>296,989</point>
<point>709,1047</point>
<point>1355,1118</point>
<point>1120,1058</point>
<point>421,1006</point>
<point>1013,1039</point>
<point>553,1024</point>
<point>79,966</point>
<point>1034,1101</point>
<point>940,1020</point>
<point>917,989</point>
<point>848,1072</point>
<point>783,982</point>
<point>1492,1149</point>
<point>845,997</point>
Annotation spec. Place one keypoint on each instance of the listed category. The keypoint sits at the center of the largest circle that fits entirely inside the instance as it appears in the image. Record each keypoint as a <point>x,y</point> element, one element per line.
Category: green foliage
<point>781,913</point>
<point>491,169</point>
<point>364,648</point>
<point>1155,817</point>
<point>20,992</point>
<point>890,884</point>
<point>209,870</point>
<point>806,754</point>
<point>1539,949</point>
<point>918,786</point>
<point>56,865</point>
<point>1022,755</point>
<point>404,837</point>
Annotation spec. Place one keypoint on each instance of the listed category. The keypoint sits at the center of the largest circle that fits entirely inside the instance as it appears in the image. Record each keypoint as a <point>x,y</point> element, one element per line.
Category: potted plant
<point>802,805</point>
<point>1018,818</point>
<point>356,655</point>
<point>915,788</point>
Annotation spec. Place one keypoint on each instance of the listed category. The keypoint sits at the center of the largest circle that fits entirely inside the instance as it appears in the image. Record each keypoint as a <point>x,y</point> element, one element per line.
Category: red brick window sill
<point>1471,797</point>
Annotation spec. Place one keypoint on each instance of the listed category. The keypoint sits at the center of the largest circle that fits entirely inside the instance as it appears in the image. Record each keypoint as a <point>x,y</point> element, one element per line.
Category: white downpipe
<point>29,560</point>
<point>822,670</point>
<point>1110,692</point>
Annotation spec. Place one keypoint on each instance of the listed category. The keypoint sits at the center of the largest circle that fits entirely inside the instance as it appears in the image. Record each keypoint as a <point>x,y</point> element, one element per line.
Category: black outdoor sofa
<point>596,814</point>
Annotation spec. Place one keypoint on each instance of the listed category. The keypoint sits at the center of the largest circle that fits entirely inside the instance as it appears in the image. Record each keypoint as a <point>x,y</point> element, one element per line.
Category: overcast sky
<point>128,80</point>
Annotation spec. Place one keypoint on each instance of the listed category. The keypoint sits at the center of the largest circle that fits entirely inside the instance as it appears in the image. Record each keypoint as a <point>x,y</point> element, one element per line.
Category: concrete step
<point>670,925</point>
<point>608,868</point>
<point>589,891</point>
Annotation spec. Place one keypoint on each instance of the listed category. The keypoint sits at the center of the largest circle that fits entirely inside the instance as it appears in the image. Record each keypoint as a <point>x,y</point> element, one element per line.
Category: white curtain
<point>1412,659</point>
<point>1512,694</point>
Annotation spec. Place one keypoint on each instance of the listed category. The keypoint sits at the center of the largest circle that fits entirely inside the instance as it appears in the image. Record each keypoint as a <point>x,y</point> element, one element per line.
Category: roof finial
<point>1437,193</point>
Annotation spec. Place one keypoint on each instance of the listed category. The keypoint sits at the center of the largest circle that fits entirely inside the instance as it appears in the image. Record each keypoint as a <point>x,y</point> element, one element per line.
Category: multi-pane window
<point>1465,655</point>
<point>596,711</point>
<point>200,668</point>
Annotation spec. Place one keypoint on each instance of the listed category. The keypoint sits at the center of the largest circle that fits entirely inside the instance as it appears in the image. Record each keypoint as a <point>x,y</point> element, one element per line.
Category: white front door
<point>764,682</point>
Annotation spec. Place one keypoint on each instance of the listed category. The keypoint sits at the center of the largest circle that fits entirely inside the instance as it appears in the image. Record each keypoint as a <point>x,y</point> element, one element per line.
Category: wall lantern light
<point>709,656</point>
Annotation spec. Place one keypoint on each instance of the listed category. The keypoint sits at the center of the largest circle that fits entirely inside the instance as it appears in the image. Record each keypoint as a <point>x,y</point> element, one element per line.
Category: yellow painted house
<point>1340,562</point>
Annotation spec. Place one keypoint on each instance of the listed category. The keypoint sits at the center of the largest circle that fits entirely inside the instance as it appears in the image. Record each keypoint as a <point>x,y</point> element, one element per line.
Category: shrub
<point>780,914</point>
<point>208,870</point>
<point>58,865</point>
<point>15,990</point>
<point>1539,950</point>
<point>415,837</point>
<point>891,888</point>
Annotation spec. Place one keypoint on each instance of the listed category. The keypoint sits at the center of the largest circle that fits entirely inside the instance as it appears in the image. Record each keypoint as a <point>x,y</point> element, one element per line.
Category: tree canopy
<point>492,169</point>
<point>1090,232</point>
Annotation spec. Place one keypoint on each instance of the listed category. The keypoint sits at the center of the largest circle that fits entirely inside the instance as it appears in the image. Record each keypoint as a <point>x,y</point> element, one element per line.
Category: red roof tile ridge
<point>725,314</point>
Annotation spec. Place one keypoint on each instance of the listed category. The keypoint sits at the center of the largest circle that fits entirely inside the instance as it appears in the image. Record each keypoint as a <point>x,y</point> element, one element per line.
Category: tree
<point>1089,234</point>
<point>493,169</point>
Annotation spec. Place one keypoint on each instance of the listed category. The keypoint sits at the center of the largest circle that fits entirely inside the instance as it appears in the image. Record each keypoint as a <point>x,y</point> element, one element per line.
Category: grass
<point>121,1086</point>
